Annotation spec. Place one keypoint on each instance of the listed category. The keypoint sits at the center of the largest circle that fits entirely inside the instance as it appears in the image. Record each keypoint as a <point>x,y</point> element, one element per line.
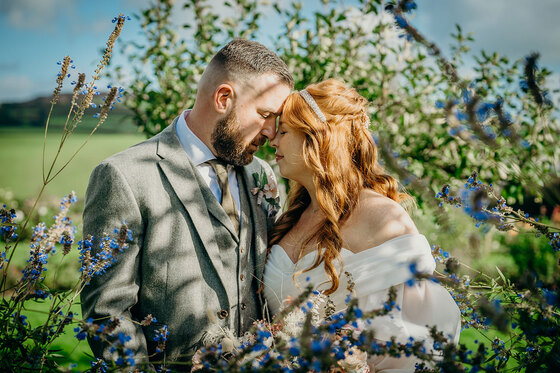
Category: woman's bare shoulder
<point>375,220</point>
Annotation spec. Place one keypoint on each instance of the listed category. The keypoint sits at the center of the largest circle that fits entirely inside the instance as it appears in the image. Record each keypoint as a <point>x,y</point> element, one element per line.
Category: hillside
<point>33,114</point>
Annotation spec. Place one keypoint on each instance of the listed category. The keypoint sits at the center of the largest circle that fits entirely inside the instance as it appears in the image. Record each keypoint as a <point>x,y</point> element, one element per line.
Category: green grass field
<point>70,349</point>
<point>21,154</point>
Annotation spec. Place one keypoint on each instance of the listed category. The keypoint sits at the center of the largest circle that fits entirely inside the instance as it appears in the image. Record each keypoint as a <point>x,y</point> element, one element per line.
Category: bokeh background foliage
<point>429,130</point>
<point>359,44</point>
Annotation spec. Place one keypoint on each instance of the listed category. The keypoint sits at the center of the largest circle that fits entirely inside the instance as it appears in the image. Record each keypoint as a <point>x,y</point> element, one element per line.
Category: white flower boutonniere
<point>266,190</point>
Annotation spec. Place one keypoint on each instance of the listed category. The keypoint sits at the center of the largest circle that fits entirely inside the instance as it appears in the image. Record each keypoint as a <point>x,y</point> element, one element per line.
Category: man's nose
<point>272,142</point>
<point>269,128</point>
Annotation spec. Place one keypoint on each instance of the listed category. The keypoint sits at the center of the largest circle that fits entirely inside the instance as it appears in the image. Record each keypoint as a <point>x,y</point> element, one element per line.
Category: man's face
<point>251,121</point>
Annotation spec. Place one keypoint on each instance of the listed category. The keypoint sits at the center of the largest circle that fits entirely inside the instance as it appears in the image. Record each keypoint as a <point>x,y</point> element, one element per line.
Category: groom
<point>199,233</point>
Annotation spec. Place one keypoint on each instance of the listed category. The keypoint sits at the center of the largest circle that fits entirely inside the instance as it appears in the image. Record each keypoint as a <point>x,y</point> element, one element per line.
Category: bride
<point>344,214</point>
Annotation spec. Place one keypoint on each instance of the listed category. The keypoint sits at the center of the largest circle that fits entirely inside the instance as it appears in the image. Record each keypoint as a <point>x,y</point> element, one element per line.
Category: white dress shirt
<point>199,153</point>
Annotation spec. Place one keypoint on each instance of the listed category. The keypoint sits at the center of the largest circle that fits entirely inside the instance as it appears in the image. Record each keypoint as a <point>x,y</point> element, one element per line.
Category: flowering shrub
<point>427,119</point>
<point>28,346</point>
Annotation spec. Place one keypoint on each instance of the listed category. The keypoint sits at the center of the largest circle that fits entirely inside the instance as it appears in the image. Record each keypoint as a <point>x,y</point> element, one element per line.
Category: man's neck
<point>199,125</point>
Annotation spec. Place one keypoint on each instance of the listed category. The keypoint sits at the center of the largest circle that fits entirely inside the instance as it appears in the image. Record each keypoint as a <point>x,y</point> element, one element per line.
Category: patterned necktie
<point>228,203</point>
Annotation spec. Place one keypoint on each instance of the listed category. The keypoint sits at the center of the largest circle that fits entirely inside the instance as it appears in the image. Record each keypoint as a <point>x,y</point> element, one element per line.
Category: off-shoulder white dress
<point>374,271</point>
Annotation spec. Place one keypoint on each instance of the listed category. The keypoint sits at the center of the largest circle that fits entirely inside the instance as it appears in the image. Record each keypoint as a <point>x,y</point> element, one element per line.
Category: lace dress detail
<point>374,271</point>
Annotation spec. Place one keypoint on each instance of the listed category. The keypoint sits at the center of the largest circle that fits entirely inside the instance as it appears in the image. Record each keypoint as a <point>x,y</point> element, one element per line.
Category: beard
<point>228,142</point>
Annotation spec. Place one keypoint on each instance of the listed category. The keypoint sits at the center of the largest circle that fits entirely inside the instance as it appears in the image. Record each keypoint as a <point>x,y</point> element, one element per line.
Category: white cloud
<point>15,88</point>
<point>100,26</point>
<point>35,14</point>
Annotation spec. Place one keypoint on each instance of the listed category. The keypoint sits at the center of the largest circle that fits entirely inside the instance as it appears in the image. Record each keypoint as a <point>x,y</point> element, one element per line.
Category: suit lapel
<point>259,219</point>
<point>215,208</point>
<point>185,181</point>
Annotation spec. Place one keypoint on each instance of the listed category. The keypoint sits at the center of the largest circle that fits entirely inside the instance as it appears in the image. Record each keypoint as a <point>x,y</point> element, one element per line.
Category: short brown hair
<point>247,57</point>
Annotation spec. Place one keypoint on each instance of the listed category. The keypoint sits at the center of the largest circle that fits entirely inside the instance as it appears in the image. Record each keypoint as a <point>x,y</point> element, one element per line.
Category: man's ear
<point>223,98</point>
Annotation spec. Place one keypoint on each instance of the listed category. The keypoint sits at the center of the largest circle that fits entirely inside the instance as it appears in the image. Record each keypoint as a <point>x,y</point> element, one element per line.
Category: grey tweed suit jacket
<point>173,268</point>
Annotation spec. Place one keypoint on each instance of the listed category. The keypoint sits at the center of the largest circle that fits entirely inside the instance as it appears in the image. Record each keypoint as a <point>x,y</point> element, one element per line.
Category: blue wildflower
<point>466,96</point>
<point>294,351</point>
<point>483,111</point>
<point>316,346</point>
<point>263,334</point>
<point>401,22</point>
<point>81,334</point>
<point>409,6</point>
<point>413,268</point>
<point>123,338</point>
<point>453,131</point>
<point>551,297</point>
<point>461,116</point>
<point>317,366</point>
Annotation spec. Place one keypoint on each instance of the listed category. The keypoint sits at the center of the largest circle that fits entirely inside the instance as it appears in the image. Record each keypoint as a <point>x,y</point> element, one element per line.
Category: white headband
<point>311,102</point>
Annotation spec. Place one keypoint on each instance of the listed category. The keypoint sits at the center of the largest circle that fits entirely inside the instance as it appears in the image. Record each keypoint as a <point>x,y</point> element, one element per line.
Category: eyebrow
<point>271,111</point>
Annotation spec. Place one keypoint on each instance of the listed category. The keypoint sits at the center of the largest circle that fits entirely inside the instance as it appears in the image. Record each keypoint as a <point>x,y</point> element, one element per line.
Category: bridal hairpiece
<point>311,102</point>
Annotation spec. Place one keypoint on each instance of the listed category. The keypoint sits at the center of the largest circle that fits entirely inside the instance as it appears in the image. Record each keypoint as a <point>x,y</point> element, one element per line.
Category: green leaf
<point>502,275</point>
<point>341,17</point>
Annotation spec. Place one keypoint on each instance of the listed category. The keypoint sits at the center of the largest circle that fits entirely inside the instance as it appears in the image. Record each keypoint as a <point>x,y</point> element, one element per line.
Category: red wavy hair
<point>343,158</point>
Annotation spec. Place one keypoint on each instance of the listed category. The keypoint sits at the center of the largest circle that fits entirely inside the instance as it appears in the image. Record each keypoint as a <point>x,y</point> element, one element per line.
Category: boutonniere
<point>267,191</point>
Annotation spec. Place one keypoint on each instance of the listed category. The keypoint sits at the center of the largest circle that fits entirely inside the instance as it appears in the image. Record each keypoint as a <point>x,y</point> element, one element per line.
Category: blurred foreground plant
<point>23,346</point>
<point>82,99</point>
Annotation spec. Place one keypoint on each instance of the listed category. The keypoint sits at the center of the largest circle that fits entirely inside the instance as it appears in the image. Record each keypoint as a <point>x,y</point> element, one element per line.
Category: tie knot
<point>220,168</point>
<point>218,165</point>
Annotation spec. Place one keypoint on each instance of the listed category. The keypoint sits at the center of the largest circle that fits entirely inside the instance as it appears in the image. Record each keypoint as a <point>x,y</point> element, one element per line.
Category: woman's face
<point>289,152</point>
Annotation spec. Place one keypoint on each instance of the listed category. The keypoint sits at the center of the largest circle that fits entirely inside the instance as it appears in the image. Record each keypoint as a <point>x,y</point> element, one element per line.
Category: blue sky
<point>35,34</point>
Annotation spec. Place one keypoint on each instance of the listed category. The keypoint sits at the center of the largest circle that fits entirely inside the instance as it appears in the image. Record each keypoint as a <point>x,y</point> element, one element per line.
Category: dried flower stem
<point>68,127</point>
<point>104,112</point>
<point>59,81</point>
<point>77,89</point>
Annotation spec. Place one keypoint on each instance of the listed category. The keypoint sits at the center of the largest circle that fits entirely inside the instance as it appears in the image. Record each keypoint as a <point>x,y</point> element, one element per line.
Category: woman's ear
<point>223,98</point>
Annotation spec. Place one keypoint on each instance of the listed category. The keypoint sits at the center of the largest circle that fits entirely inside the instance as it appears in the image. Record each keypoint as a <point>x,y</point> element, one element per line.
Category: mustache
<point>259,141</point>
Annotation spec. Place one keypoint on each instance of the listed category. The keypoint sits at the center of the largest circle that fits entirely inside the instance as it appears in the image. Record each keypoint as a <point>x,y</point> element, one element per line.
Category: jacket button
<point>243,306</point>
<point>242,277</point>
<point>222,314</point>
<point>242,250</point>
